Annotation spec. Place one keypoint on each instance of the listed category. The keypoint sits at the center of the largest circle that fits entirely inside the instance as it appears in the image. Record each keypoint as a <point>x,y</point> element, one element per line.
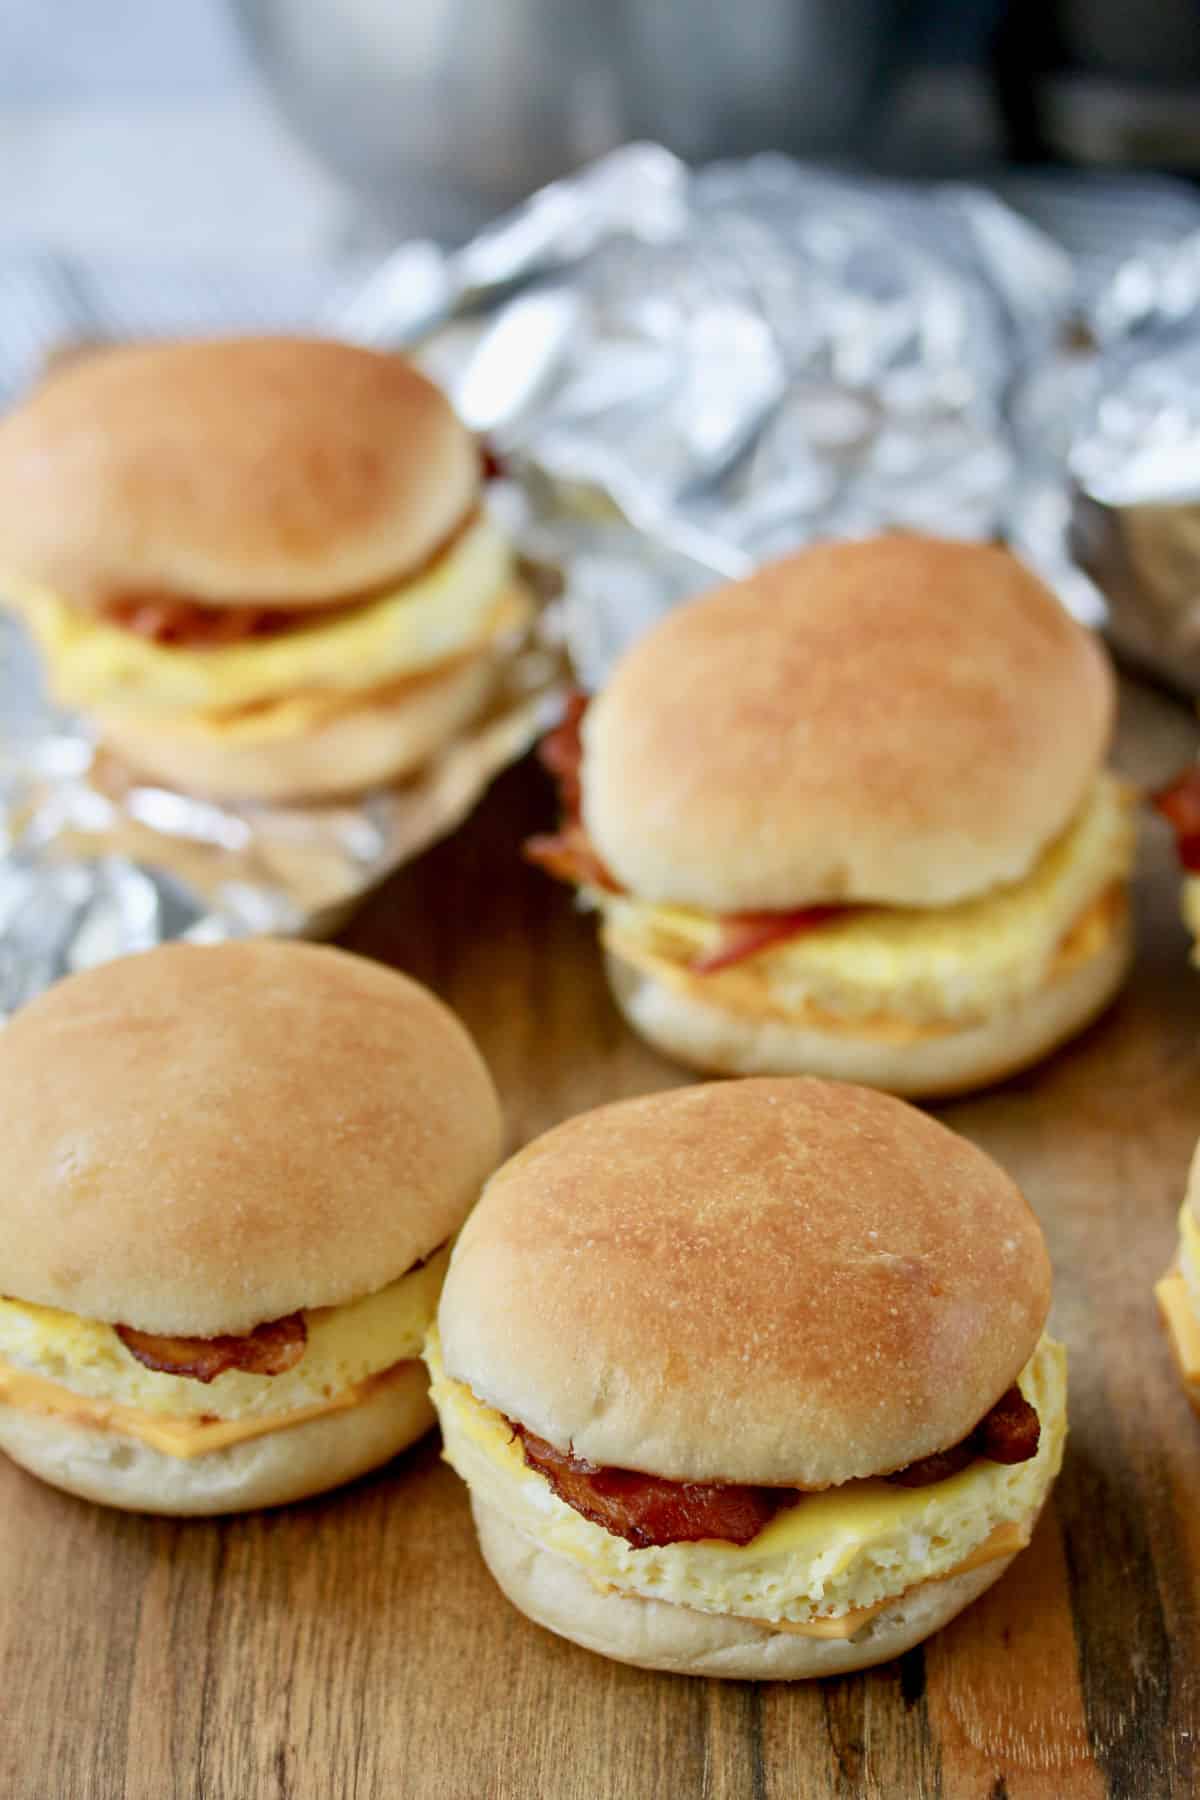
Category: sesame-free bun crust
<point>711,1038</point>
<point>286,1465</point>
<point>788,1282</point>
<point>198,1139</point>
<point>388,734</point>
<point>902,720</point>
<point>554,1592</point>
<point>273,470</point>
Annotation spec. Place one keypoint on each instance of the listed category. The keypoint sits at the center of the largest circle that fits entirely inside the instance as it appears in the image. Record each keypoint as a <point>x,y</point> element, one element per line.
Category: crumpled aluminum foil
<point>683,374</point>
<point>1134,462</point>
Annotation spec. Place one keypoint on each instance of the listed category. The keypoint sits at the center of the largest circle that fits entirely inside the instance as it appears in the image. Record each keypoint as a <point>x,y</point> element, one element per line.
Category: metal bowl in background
<point>438,113</point>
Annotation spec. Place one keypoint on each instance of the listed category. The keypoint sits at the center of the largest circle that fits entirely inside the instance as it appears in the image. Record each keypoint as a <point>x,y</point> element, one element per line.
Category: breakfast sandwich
<point>1178,1293</point>
<point>850,817</point>
<point>750,1378</point>
<point>233,1173</point>
<point>260,566</point>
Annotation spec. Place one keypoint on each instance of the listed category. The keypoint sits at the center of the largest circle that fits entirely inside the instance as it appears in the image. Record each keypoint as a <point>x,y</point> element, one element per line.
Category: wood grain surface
<point>354,1646</point>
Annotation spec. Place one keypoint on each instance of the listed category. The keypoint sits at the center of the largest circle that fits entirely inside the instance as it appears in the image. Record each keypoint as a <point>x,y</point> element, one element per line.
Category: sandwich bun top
<point>901,720</point>
<point>202,1138</point>
<point>779,1282</point>
<point>280,471</point>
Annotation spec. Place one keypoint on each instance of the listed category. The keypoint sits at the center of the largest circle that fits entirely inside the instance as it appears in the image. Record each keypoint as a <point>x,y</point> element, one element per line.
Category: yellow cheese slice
<point>184,1438</point>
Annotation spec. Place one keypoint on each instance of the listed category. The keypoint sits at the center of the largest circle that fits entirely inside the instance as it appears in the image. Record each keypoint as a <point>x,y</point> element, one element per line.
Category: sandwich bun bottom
<point>281,1466</point>
<point>913,1064</point>
<point>656,1634</point>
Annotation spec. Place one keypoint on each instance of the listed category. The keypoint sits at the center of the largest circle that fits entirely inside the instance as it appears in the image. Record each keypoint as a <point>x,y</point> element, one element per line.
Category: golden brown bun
<point>387,735</point>
<point>708,1037</point>
<point>767,1281</point>
<point>276,470</point>
<point>198,1139</point>
<point>902,720</point>
<point>266,1471</point>
<point>554,1592</point>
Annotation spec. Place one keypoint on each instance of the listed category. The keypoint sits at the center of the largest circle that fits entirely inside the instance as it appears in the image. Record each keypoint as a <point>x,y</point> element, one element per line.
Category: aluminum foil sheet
<point>683,374</point>
<point>1134,462</point>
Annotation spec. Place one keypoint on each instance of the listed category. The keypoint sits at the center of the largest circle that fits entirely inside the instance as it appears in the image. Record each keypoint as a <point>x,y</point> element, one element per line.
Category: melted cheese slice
<point>184,1438</point>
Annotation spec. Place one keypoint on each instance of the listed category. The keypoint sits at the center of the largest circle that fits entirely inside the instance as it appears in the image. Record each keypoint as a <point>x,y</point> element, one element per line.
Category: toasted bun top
<point>198,1139</point>
<point>901,720</point>
<point>287,471</point>
<point>768,1281</point>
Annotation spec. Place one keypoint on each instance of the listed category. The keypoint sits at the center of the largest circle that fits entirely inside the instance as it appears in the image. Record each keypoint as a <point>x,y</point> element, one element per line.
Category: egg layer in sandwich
<point>817,1564</point>
<point>907,971</point>
<point>78,1369</point>
<point>461,603</point>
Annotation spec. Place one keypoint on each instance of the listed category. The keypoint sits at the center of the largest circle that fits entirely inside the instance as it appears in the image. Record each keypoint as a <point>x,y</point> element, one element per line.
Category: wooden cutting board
<point>354,1646</point>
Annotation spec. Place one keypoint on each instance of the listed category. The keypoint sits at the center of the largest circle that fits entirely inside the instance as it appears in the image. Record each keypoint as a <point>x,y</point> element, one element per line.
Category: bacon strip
<point>746,934</point>
<point>166,619</point>
<point>568,856</point>
<point>1179,804</point>
<point>646,1509</point>
<point>269,1349</point>
<point>561,755</point>
<point>1009,1433</point>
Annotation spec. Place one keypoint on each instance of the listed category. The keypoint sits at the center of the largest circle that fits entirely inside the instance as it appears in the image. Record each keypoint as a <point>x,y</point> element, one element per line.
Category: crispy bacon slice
<point>269,1349</point>
<point>644,1510</point>
<point>167,619</point>
<point>1179,804</point>
<point>1009,1433</point>
<point>561,753</point>
<point>176,619</point>
<point>568,856</point>
<point>938,1467</point>
<point>746,934</point>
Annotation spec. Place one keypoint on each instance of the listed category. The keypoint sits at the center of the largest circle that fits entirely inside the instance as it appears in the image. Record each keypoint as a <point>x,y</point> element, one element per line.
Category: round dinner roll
<point>711,1304</point>
<point>376,737</point>
<point>653,1634</point>
<point>285,471</point>
<point>904,721</point>
<point>750,1378</point>
<point>212,1152</point>
<point>954,1060</point>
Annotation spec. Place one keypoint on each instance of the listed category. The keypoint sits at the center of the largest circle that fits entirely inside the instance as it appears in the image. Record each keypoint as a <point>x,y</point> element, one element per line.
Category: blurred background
<point>277,128</point>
